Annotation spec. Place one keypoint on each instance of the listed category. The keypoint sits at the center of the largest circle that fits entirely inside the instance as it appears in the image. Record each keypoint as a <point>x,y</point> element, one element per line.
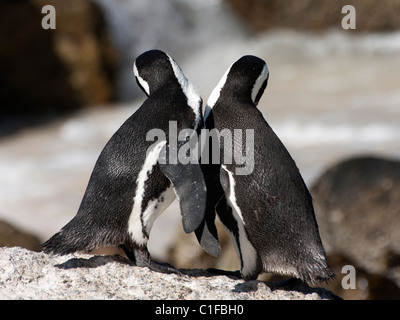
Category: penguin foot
<point>219,272</point>
<point>142,258</point>
<point>160,267</point>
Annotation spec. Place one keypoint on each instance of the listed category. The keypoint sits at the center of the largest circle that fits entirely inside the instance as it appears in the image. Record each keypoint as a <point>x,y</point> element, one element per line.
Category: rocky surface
<point>26,274</point>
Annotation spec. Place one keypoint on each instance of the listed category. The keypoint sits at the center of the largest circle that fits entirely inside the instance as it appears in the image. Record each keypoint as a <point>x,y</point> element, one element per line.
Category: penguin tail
<point>55,245</point>
<point>319,272</point>
<point>71,238</point>
<point>63,243</point>
<point>323,276</point>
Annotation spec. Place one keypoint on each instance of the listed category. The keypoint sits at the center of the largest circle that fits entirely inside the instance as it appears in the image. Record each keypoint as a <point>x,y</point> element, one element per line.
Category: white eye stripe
<point>212,100</point>
<point>142,82</point>
<point>259,82</point>
<point>193,96</point>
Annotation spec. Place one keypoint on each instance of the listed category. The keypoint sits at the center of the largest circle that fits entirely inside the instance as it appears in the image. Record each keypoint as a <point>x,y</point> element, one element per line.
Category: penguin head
<point>153,70</point>
<point>246,80</point>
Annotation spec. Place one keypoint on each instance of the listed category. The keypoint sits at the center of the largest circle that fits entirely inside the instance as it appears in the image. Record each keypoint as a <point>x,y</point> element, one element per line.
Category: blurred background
<point>333,98</point>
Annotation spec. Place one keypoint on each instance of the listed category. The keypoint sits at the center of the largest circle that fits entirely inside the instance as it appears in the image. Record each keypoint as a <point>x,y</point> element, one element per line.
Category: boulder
<point>26,274</point>
<point>10,236</point>
<point>46,72</point>
<point>358,213</point>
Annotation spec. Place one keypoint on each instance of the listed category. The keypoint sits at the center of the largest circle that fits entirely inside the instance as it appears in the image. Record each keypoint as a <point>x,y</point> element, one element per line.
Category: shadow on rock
<point>93,262</point>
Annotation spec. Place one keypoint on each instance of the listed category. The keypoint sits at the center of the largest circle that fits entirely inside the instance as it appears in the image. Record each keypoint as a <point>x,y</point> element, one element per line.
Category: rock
<point>53,71</point>
<point>317,15</point>
<point>368,285</point>
<point>26,274</point>
<point>358,213</point>
<point>11,236</point>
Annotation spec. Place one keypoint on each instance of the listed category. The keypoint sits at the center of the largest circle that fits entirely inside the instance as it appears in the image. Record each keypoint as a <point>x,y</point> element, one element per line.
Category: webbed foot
<point>142,258</point>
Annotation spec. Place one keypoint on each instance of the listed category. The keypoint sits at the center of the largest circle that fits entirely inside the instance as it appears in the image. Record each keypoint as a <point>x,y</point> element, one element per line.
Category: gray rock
<point>358,213</point>
<point>357,208</point>
<point>26,274</point>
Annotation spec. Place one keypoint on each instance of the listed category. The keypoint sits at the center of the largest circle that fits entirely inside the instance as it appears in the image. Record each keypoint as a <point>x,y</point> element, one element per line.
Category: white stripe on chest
<point>247,250</point>
<point>139,220</point>
<point>156,207</point>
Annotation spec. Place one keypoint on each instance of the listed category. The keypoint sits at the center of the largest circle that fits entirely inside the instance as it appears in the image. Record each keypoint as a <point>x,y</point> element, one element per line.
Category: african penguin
<point>268,210</point>
<point>130,186</point>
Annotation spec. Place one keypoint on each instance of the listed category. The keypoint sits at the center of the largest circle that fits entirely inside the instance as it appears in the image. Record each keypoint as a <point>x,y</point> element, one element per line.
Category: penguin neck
<point>215,94</point>
<point>230,98</point>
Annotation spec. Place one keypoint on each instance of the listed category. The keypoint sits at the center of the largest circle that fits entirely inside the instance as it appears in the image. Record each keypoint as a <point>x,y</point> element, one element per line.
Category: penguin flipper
<point>189,187</point>
<point>207,234</point>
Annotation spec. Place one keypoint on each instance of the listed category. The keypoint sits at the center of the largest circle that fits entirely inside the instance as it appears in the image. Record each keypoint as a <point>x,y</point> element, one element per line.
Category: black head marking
<point>246,80</point>
<point>153,70</point>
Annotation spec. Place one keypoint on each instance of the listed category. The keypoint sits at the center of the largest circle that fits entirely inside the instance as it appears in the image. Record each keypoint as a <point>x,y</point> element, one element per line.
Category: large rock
<point>54,70</point>
<point>357,208</point>
<point>26,274</point>
<point>10,236</point>
<point>358,212</point>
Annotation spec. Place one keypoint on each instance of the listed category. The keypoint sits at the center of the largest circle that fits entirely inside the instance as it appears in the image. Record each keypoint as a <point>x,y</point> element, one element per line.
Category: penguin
<point>135,178</point>
<point>266,209</point>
